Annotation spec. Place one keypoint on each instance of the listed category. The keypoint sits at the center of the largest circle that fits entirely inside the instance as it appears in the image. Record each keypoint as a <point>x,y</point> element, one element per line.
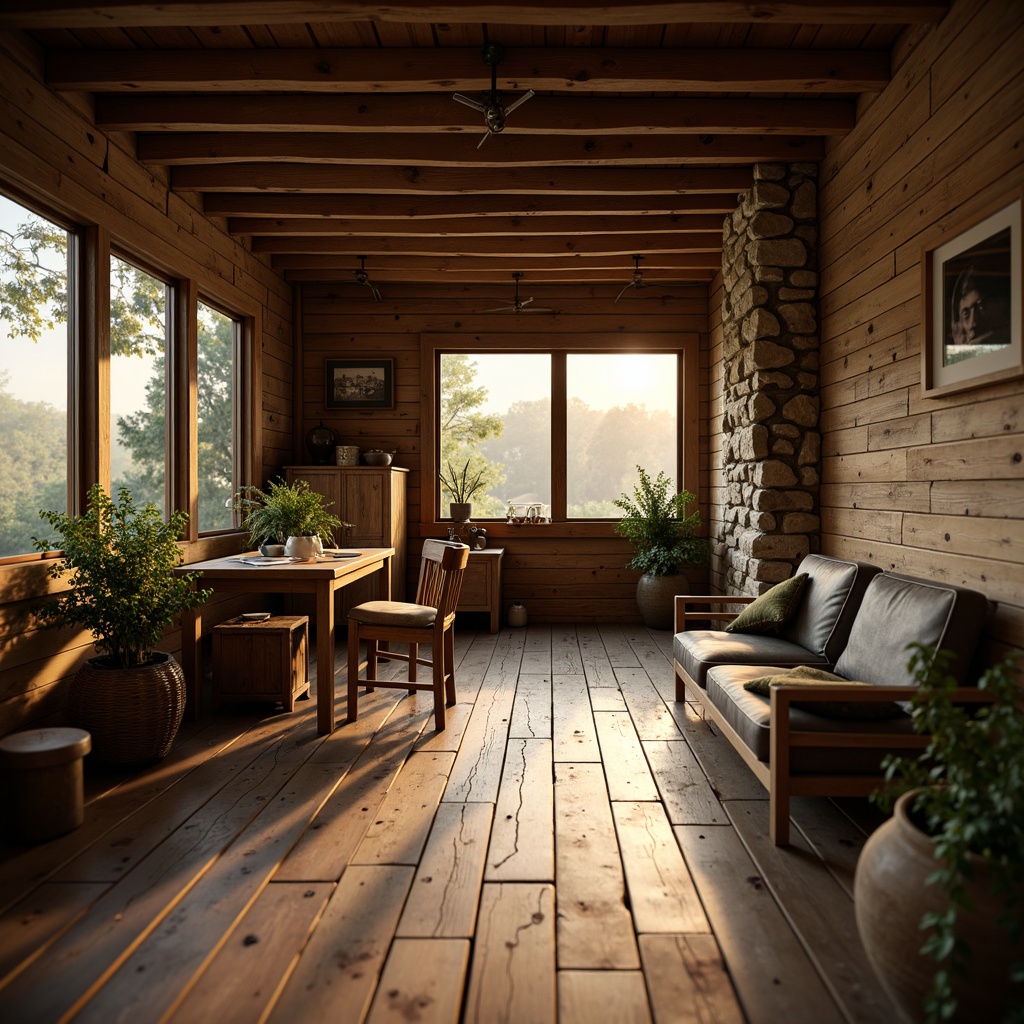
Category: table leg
<point>191,653</point>
<point>324,657</point>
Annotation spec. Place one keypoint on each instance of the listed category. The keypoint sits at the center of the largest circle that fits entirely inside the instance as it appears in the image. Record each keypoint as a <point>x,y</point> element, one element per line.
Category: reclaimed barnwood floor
<point>573,847</point>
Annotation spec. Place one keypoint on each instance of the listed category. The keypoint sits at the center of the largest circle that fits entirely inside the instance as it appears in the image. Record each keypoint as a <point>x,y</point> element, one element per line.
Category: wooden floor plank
<point>773,977</point>
<point>572,725</point>
<point>531,711</point>
<point>620,652</point>
<point>445,892</point>
<point>337,974</point>
<point>512,980</point>
<point>687,981</point>
<point>522,846</point>
<point>423,981</point>
<point>662,896</point>
<point>819,909</point>
<point>688,796</point>
<point>629,777</point>
<point>607,698</point>
<point>588,996</point>
<point>537,651</point>
<point>399,832</point>
<point>650,714</point>
<point>595,929</point>
<point>565,652</point>
<point>832,836</point>
<point>244,977</point>
<point>596,666</point>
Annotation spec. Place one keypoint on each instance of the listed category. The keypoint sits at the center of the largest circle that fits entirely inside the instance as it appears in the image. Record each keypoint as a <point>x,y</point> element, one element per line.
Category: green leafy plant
<point>120,560</point>
<point>458,484</point>
<point>970,779</point>
<point>658,527</point>
<point>285,510</point>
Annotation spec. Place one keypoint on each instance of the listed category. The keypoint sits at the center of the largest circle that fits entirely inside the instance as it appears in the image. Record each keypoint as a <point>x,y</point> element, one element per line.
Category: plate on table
<point>340,553</point>
<point>254,616</point>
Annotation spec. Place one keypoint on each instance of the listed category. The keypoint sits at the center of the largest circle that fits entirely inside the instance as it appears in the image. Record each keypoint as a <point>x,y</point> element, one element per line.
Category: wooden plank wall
<point>51,151</point>
<point>930,487</point>
<point>562,573</point>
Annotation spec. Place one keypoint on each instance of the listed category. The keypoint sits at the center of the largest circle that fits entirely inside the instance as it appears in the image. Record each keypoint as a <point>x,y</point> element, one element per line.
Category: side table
<point>481,585</point>
<point>266,659</point>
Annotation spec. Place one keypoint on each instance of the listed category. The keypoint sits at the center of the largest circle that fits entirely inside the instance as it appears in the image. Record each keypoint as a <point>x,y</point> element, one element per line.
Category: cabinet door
<point>364,508</point>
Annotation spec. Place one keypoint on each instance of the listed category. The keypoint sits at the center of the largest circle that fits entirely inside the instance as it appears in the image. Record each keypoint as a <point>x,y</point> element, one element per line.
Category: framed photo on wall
<point>360,383</point>
<point>972,285</point>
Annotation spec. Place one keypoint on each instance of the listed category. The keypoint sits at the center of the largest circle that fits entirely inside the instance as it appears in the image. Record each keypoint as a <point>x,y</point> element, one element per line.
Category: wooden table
<point>321,578</point>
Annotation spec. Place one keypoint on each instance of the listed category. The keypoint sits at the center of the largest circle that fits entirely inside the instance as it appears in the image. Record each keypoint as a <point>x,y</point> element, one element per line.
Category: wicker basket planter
<point>133,714</point>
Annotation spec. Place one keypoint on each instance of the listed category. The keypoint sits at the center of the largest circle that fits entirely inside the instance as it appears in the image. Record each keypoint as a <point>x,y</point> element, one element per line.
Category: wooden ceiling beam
<point>527,245</point>
<point>446,70</point>
<point>427,208</point>
<point>546,181</point>
<point>472,275</point>
<point>477,226</point>
<point>506,150</point>
<point>39,14</point>
<point>555,115</point>
<point>614,263</point>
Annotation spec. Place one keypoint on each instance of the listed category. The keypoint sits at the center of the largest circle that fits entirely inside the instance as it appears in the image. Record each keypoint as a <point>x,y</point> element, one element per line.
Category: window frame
<point>685,345</point>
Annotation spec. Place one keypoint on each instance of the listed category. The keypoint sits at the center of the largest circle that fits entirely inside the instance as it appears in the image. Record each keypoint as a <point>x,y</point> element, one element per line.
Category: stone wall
<point>772,451</point>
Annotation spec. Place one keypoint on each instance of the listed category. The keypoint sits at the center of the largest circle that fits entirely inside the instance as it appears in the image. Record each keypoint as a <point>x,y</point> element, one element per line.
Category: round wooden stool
<point>43,769</point>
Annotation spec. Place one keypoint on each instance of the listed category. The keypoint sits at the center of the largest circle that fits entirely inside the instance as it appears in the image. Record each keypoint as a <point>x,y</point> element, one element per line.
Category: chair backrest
<point>441,570</point>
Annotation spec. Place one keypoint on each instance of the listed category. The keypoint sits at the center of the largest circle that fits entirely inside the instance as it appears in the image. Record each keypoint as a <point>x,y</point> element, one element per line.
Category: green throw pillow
<point>772,610</point>
<point>806,675</point>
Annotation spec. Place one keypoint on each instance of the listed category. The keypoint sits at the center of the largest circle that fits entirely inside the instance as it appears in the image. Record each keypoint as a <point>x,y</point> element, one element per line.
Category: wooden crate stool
<point>45,789</point>
<point>266,659</point>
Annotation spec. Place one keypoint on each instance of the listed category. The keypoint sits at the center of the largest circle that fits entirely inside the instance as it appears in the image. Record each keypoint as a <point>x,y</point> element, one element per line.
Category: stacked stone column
<point>772,444</point>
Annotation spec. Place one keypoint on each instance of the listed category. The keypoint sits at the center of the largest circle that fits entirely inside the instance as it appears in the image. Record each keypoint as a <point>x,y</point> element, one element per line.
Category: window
<point>140,333</point>
<point>35,332</point>
<point>564,429</point>
<point>218,417</point>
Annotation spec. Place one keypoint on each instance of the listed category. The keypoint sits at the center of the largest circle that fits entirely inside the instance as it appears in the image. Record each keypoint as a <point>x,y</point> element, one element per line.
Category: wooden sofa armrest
<point>686,606</point>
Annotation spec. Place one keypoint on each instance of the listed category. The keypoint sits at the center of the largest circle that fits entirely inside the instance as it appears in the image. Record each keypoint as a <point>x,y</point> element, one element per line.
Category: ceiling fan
<point>493,109</point>
<point>362,277</point>
<point>519,306</point>
<point>638,278</point>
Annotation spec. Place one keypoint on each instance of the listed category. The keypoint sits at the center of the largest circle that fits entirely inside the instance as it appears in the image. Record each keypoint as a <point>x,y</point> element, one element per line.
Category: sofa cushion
<point>749,714</point>
<point>809,677</point>
<point>697,650</point>
<point>772,610</point>
<point>831,598</point>
<point>898,610</point>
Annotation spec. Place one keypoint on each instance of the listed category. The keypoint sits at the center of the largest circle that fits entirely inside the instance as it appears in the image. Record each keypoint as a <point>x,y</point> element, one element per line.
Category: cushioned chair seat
<point>394,613</point>
<point>749,714</point>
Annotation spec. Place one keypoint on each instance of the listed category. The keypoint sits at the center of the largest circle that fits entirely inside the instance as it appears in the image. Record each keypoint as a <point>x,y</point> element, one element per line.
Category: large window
<point>561,429</point>
<point>35,296</point>
<point>219,417</point>
<point>140,336</point>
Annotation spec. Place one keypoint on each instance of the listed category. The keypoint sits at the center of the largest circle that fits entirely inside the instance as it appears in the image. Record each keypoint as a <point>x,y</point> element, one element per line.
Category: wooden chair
<point>430,619</point>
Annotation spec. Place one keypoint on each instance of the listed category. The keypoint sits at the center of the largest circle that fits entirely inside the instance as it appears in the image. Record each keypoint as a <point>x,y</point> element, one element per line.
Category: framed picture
<point>972,295</point>
<point>361,383</point>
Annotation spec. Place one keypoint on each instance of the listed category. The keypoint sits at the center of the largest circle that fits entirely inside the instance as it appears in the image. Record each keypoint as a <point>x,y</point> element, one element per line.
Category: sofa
<point>853,621</point>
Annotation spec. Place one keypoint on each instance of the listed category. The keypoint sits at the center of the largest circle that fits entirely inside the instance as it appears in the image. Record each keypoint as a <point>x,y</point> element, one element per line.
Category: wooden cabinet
<point>372,498</point>
<point>481,585</point>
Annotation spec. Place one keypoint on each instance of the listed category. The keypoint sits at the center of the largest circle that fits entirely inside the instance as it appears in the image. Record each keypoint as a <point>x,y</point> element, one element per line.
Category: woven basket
<point>133,714</point>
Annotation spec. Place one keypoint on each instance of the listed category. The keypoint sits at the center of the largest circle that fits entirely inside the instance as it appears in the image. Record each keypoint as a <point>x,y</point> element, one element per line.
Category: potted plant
<point>459,486</point>
<point>288,514</point>
<point>665,538</point>
<point>939,888</point>
<point>119,562</point>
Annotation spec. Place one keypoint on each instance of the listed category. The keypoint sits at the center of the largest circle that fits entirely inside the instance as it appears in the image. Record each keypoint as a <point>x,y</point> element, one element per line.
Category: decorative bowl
<point>376,457</point>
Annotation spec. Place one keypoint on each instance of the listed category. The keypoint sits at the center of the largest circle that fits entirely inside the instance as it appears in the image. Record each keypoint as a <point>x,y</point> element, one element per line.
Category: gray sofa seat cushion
<point>831,599</point>
<point>750,715</point>
<point>697,650</point>
<point>898,610</point>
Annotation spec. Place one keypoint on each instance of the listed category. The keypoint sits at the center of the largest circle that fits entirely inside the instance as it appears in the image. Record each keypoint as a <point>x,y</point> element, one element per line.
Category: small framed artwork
<point>972,285</point>
<point>361,383</point>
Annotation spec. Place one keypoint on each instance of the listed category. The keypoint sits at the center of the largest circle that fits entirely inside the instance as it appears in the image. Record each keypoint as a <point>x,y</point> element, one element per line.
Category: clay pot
<point>891,894</point>
<point>460,511</point>
<point>655,598</point>
<point>303,548</point>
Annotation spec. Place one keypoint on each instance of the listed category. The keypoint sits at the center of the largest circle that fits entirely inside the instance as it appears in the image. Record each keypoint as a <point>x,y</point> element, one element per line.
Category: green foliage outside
<point>120,558</point>
<point>658,527</point>
<point>971,778</point>
<point>33,461</point>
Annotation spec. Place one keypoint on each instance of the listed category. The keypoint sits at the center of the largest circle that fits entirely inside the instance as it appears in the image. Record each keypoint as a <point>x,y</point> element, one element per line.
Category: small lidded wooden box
<point>261,659</point>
